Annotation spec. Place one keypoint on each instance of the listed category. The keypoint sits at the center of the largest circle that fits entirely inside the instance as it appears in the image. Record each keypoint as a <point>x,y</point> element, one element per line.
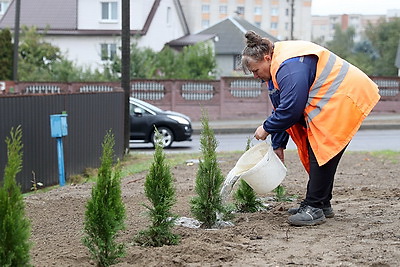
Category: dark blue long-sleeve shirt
<point>294,77</point>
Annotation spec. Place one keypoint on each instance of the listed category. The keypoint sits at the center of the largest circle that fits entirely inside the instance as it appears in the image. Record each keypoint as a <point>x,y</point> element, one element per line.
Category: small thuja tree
<point>209,180</point>
<point>105,211</point>
<point>14,226</point>
<point>160,191</point>
<point>245,197</point>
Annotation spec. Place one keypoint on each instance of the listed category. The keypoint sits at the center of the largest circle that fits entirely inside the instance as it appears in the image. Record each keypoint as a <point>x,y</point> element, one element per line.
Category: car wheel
<point>167,137</point>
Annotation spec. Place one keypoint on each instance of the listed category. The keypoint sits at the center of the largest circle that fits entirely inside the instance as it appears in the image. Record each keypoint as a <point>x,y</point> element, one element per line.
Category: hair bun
<point>253,39</point>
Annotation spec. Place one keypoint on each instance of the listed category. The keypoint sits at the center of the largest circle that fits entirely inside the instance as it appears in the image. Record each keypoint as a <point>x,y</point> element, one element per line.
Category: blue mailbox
<point>59,128</point>
<point>58,124</point>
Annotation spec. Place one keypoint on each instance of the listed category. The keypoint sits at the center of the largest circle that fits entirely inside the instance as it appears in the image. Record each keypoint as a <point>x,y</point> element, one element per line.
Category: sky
<point>364,7</point>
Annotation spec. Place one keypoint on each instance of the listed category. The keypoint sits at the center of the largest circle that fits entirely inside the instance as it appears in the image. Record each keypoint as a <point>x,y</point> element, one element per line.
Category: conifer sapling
<point>209,179</point>
<point>14,226</point>
<point>160,191</point>
<point>105,211</point>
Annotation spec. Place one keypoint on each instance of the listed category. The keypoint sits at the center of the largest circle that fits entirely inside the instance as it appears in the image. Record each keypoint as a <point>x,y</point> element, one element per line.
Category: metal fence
<point>388,86</point>
<point>90,116</point>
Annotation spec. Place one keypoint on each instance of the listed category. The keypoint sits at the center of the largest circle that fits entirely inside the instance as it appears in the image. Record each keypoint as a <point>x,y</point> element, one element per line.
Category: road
<point>364,140</point>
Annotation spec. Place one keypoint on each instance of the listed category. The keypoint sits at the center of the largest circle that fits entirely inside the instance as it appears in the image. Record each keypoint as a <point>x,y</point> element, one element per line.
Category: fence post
<point>222,85</point>
<point>173,88</point>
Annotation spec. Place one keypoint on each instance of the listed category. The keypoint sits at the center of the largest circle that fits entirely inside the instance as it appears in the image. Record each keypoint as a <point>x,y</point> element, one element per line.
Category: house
<point>89,31</point>
<point>228,41</point>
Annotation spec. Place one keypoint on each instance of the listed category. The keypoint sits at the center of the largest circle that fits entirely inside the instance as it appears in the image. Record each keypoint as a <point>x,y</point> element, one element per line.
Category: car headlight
<point>179,119</point>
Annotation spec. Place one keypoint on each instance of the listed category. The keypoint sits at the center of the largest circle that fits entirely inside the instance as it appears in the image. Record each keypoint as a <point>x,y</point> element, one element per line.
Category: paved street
<point>365,140</point>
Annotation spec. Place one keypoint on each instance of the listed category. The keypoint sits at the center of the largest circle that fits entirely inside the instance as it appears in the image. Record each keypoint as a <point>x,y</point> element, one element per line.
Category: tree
<point>385,38</point>
<point>363,56</point>
<point>35,54</point>
<point>197,62</point>
<point>160,191</point>
<point>105,211</point>
<point>14,226</point>
<point>41,61</point>
<point>376,53</point>
<point>209,180</point>
<point>343,42</point>
<point>193,62</point>
<point>6,55</point>
<point>168,64</point>
<point>143,63</point>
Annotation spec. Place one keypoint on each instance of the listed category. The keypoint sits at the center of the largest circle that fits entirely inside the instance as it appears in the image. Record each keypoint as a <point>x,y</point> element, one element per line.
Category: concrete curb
<point>250,130</point>
<point>378,122</point>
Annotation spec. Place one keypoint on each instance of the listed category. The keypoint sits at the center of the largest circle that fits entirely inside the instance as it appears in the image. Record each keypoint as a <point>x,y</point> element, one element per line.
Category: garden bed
<point>364,232</point>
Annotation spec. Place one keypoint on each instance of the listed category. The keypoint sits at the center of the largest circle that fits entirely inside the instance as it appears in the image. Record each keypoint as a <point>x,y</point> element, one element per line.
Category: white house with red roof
<point>89,31</point>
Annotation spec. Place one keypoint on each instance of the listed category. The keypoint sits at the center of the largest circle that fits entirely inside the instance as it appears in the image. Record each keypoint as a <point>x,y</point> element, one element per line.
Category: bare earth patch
<point>364,232</point>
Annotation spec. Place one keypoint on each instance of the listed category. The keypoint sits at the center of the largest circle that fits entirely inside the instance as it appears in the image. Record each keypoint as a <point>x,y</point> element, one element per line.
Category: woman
<point>320,100</point>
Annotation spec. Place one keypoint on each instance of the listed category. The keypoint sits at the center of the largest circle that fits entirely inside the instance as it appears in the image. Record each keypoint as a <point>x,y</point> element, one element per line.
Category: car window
<point>133,106</point>
<point>148,105</point>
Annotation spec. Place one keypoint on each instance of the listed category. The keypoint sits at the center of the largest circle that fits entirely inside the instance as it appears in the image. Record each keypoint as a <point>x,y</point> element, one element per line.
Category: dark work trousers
<point>320,182</point>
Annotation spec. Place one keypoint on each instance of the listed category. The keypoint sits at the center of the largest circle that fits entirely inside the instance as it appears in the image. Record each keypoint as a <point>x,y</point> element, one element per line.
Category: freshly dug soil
<point>364,231</point>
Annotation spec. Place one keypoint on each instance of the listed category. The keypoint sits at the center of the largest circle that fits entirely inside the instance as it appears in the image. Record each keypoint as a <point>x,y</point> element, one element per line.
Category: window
<point>257,10</point>
<point>205,8</point>
<point>240,10</point>
<point>223,9</point>
<point>258,24</point>
<point>3,7</point>
<point>168,15</point>
<point>109,10</point>
<point>108,51</point>
<point>274,11</point>
<point>274,25</point>
<point>205,23</point>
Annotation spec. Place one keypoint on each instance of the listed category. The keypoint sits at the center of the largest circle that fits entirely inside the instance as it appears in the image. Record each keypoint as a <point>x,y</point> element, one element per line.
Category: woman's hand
<point>281,155</point>
<point>260,133</point>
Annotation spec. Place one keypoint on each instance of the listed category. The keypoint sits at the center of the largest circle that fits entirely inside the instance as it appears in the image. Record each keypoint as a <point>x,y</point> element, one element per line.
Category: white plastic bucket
<point>261,168</point>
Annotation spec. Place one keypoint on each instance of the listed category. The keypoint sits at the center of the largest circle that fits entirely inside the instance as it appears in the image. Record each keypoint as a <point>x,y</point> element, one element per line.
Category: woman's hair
<point>256,48</point>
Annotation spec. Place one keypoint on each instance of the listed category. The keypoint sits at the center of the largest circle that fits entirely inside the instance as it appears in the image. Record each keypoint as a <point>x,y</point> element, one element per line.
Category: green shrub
<point>245,197</point>
<point>209,179</point>
<point>105,211</point>
<point>160,191</point>
<point>14,226</point>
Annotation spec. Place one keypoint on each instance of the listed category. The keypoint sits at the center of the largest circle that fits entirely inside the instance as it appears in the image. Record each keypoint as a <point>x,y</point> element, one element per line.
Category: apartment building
<point>323,27</point>
<point>277,17</point>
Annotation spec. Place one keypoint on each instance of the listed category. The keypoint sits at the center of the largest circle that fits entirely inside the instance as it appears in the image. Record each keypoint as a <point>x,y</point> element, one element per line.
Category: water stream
<point>225,192</point>
<point>228,185</point>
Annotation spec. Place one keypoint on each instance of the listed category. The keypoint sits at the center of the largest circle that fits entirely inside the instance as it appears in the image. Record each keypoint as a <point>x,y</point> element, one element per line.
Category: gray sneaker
<point>328,211</point>
<point>307,215</point>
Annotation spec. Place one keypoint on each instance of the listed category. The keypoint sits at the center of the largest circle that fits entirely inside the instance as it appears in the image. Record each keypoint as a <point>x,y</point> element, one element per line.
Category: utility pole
<point>291,19</point>
<point>16,39</point>
<point>125,68</point>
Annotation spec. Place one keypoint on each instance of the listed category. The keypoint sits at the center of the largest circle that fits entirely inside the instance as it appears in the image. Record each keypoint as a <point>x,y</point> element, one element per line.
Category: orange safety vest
<point>339,100</point>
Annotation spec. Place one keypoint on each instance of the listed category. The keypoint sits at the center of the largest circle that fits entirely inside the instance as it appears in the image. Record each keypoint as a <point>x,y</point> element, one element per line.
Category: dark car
<point>173,126</point>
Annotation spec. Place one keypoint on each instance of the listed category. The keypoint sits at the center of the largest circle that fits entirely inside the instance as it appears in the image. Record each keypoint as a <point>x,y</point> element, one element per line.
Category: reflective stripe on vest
<point>332,89</point>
